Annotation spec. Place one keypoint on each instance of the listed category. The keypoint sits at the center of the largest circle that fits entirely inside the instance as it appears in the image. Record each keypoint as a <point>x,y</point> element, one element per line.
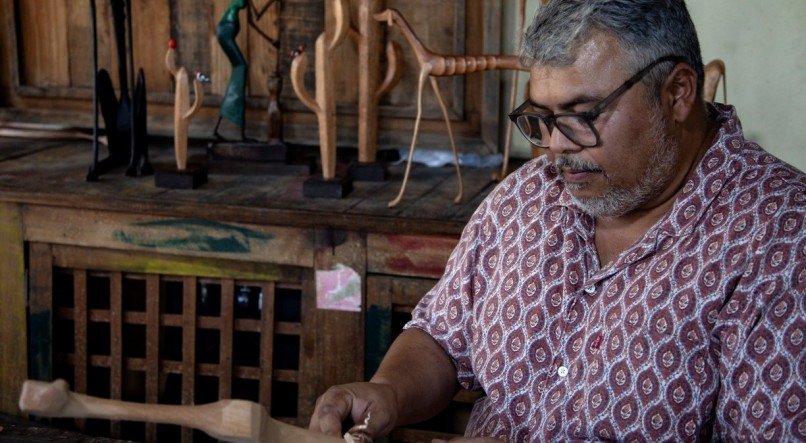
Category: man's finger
<point>331,409</point>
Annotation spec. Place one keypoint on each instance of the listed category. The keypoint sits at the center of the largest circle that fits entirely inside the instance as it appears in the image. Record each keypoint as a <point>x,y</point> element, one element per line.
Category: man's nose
<point>560,144</point>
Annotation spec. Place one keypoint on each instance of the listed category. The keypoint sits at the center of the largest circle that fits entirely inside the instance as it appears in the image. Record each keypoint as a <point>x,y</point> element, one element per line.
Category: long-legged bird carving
<point>436,65</point>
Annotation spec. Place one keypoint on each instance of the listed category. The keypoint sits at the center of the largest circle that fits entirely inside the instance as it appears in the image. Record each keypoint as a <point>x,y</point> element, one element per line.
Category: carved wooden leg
<point>461,192</point>
<point>420,85</point>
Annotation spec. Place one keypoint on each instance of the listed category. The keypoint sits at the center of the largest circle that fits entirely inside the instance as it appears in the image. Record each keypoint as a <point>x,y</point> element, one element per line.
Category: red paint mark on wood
<point>410,243</point>
<point>404,265</point>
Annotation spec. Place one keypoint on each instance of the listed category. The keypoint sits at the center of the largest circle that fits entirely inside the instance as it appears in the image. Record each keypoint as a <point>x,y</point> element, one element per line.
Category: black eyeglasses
<point>577,126</point>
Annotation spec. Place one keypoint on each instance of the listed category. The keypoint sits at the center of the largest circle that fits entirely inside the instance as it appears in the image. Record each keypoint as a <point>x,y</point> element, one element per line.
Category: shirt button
<point>590,289</point>
<point>562,371</point>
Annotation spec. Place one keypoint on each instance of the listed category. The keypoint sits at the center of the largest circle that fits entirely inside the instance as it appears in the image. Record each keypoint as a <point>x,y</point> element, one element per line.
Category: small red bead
<point>172,44</point>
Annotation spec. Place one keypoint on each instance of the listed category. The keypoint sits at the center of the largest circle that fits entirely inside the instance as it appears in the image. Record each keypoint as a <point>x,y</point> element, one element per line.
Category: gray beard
<point>616,200</point>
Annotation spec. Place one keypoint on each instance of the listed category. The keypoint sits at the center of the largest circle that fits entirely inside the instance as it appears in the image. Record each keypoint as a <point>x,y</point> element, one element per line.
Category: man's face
<point>635,159</point>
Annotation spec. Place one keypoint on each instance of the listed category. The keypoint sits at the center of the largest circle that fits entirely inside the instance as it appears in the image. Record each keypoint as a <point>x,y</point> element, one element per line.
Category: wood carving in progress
<point>229,420</point>
<point>436,65</point>
<point>183,111</point>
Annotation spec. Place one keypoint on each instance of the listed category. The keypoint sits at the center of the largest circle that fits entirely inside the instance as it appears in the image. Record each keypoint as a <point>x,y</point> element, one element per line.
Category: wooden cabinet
<point>180,296</point>
<point>46,66</point>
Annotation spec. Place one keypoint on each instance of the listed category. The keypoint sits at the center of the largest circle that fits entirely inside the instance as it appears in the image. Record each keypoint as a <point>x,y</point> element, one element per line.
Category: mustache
<point>575,164</point>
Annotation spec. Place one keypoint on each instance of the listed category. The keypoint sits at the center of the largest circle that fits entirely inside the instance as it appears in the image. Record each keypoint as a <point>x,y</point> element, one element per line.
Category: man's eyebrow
<point>570,104</point>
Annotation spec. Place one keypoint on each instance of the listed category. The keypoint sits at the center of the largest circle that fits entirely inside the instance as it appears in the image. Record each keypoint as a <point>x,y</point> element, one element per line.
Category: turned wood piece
<point>183,111</point>
<point>228,420</point>
<point>369,47</point>
<point>714,72</point>
<point>370,88</point>
<point>437,65</point>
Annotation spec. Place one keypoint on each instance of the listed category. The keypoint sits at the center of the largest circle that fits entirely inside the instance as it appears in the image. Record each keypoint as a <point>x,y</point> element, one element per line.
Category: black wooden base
<point>368,172</point>
<point>318,187</point>
<point>190,178</point>
<point>249,151</point>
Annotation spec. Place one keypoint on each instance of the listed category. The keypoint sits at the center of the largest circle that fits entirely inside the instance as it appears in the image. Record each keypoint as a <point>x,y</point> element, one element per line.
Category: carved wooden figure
<point>437,65</point>
<point>324,106</point>
<point>183,111</point>
<point>182,177</point>
<point>367,39</point>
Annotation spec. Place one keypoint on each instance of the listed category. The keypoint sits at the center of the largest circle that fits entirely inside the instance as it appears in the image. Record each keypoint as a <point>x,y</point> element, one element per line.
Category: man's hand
<point>356,400</point>
<point>415,381</point>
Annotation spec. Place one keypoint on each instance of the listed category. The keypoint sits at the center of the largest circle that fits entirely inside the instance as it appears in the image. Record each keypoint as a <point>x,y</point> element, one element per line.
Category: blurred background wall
<point>763,44</point>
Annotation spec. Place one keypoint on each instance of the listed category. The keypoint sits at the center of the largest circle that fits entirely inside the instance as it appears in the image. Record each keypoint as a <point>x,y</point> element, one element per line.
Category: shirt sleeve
<point>761,341</point>
<point>446,311</point>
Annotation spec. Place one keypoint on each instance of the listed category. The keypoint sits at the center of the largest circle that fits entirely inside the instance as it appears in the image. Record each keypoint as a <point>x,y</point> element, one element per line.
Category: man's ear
<point>680,91</point>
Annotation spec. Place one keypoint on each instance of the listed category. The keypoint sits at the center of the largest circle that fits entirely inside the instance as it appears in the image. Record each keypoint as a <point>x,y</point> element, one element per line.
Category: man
<point>644,280</point>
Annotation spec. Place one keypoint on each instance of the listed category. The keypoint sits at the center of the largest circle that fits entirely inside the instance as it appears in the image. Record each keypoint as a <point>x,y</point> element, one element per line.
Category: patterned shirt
<point>696,331</point>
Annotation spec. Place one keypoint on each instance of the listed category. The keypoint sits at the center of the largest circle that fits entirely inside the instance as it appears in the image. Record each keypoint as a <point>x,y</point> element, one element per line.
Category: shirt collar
<point>707,180</point>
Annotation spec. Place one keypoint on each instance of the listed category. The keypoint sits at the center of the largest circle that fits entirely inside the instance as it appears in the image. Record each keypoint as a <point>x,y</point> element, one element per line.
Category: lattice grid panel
<point>176,340</point>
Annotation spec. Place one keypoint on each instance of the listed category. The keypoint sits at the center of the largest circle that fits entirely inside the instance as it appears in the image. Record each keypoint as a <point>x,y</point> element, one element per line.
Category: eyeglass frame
<point>590,115</point>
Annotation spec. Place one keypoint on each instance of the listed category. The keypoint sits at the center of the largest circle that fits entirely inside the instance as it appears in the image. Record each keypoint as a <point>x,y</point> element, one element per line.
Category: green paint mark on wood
<point>191,235</point>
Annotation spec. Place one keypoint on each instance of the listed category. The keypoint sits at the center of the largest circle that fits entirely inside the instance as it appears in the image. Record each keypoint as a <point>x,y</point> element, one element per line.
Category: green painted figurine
<point>233,105</point>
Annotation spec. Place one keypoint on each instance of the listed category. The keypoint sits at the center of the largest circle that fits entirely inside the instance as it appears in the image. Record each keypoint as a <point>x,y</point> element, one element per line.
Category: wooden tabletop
<point>53,173</point>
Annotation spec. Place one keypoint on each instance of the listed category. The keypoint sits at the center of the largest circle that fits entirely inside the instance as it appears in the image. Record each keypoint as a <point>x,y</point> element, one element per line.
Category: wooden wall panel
<point>44,42</point>
<point>220,68</point>
<point>79,34</point>
<point>151,32</point>
<point>61,68</point>
<point>262,55</point>
<point>439,25</point>
<point>13,344</point>
<point>107,54</point>
<point>339,350</point>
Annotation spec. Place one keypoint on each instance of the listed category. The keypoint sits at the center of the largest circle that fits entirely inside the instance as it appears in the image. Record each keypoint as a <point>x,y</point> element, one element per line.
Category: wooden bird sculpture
<point>183,111</point>
<point>437,65</point>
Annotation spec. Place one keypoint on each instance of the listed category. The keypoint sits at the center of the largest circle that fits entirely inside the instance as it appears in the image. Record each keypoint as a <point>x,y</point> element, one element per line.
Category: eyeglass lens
<point>538,130</point>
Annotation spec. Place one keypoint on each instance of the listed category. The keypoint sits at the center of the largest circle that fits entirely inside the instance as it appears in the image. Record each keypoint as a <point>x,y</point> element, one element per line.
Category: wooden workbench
<point>235,232</point>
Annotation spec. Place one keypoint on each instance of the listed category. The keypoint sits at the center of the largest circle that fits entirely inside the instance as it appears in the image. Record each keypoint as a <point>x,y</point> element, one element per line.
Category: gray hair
<point>644,29</point>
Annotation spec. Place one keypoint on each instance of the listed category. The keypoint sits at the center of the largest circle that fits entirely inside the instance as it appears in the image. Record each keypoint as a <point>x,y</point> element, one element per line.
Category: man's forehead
<point>596,64</point>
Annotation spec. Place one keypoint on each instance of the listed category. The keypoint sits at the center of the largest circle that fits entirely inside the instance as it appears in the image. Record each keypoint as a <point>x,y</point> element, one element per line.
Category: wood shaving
<point>358,433</point>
